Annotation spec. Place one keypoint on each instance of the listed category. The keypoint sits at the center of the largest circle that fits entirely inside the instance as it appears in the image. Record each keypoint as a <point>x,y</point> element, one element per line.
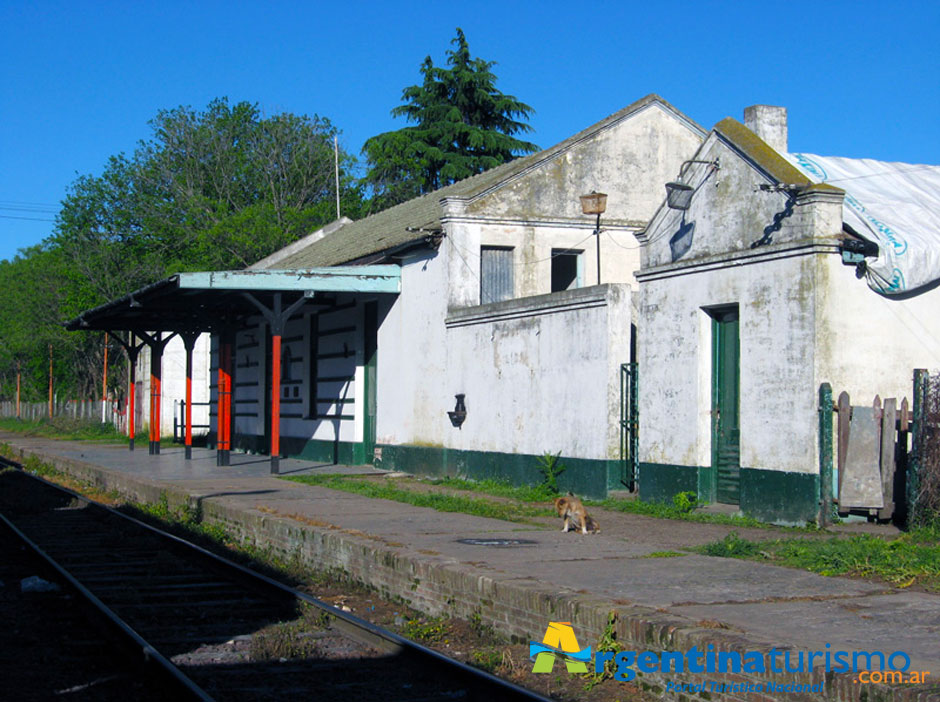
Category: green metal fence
<point>629,426</point>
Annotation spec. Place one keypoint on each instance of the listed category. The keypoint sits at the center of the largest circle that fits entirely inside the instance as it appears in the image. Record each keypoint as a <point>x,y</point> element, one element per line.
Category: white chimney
<point>769,123</point>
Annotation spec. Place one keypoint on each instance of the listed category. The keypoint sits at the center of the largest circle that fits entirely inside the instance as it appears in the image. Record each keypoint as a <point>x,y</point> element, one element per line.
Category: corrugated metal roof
<point>396,226</point>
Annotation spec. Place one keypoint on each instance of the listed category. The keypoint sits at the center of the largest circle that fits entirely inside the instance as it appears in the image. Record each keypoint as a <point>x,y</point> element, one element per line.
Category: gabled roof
<point>412,221</point>
<point>892,204</point>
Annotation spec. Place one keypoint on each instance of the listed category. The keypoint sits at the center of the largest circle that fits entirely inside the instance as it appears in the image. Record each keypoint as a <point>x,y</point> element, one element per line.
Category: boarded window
<point>496,282</point>
<point>567,269</point>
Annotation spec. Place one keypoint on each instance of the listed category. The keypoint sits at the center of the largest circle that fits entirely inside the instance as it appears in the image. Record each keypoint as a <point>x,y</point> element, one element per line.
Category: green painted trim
<point>659,482</point>
<point>583,476</point>
<point>826,505</point>
<point>707,483</point>
<point>370,327</point>
<point>335,452</point>
<point>370,279</point>
<point>780,497</point>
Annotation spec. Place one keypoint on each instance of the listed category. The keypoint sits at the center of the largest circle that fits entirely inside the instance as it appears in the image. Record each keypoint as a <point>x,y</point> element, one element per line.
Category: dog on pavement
<point>571,510</point>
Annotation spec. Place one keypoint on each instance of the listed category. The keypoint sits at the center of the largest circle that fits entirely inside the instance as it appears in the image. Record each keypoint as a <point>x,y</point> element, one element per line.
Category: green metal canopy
<point>209,301</point>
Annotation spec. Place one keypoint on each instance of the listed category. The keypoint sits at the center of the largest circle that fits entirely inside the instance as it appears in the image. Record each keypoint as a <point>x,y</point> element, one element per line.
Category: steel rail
<point>152,660</point>
<point>484,686</point>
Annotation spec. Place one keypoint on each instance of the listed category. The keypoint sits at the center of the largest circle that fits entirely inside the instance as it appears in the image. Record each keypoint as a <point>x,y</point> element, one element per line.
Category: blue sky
<point>80,80</point>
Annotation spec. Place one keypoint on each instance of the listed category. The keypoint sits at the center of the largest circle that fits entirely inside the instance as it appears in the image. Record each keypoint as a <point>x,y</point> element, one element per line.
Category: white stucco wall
<point>413,392</point>
<point>706,258</point>
<point>777,400</point>
<point>540,374</point>
<point>630,159</point>
<point>341,336</point>
<point>532,244</point>
<point>869,344</point>
<point>539,209</point>
<point>173,385</point>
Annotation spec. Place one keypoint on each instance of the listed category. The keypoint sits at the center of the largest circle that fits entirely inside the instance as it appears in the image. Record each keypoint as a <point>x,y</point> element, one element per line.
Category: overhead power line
<point>31,219</point>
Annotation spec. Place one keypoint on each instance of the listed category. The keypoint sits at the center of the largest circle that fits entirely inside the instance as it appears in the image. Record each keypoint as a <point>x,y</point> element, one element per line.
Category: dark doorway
<point>566,269</point>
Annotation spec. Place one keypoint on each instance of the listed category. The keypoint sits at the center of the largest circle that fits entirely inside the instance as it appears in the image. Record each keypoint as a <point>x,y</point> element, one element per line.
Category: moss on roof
<point>395,226</point>
<point>760,152</point>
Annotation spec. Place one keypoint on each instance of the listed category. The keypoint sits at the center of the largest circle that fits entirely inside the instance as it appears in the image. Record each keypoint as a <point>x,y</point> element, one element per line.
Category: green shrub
<point>685,501</point>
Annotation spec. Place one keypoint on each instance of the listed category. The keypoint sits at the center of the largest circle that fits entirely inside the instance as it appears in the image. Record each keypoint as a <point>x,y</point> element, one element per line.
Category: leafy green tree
<point>210,189</point>
<point>462,126</point>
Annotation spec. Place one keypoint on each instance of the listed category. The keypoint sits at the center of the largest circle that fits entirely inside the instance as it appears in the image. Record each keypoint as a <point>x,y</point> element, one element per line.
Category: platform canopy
<point>210,301</point>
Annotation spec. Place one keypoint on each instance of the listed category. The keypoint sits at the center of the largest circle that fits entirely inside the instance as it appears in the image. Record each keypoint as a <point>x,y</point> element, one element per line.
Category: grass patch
<point>520,510</point>
<point>497,488</point>
<point>290,640</point>
<point>663,510</point>
<point>64,428</point>
<point>425,629</point>
<point>512,512</point>
<point>732,546</point>
<point>911,558</point>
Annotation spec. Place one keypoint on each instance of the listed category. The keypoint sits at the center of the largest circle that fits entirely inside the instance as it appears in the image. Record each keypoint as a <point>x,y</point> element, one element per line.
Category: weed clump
<point>550,466</point>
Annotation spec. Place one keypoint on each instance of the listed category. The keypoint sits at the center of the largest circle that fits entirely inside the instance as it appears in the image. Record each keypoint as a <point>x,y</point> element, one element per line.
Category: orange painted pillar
<point>156,371</point>
<point>224,411</point>
<point>219,405</point>
<point>275,403</point>
<point>132,400</point>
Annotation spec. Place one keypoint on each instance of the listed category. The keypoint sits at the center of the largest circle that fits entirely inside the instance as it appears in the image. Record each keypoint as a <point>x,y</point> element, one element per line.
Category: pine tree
<point>463,126</point>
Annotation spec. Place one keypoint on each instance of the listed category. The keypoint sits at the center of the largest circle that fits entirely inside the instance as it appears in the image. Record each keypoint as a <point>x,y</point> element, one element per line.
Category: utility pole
<point>336,171</point>
<point>50,381</point>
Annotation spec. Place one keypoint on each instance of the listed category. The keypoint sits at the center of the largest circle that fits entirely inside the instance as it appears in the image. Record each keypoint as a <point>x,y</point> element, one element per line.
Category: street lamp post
<point>595,203</point>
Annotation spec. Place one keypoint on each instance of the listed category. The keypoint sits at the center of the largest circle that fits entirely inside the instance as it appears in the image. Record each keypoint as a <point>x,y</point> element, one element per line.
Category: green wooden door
<point>726,432</point>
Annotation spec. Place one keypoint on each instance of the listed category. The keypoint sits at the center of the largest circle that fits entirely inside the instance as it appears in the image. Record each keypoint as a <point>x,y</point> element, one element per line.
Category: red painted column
<point>132,400</point>
<point>220,405</point>
<point>228,399</point>
<point>189,399</point>
<point>224,409</point>
<point>153,402</point>
<point>275,402</point>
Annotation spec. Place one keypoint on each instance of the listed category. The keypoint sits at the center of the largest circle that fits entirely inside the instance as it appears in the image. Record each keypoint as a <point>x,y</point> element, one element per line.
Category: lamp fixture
<point>459,413</point>
<point>595,203</point>
<point>679,193</point>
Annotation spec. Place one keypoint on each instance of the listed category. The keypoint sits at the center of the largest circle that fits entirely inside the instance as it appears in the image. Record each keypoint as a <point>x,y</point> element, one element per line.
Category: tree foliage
<point>210,189</point>
<point>462,125</point>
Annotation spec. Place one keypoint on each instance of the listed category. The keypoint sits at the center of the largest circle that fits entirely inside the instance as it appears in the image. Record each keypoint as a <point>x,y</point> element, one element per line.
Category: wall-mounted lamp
<point>855,251</point>
<point>595,203</point>
<point>678,193</point>
<point>459,412</point>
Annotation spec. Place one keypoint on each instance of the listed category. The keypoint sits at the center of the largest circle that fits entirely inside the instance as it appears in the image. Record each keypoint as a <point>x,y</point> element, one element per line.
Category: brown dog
<point>573,513</point>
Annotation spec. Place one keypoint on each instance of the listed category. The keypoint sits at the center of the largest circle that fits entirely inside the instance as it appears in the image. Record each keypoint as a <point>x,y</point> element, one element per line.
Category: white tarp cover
<point>896,205</point>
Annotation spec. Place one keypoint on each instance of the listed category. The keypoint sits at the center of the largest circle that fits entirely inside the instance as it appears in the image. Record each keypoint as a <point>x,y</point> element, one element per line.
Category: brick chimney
<point>769,123</point>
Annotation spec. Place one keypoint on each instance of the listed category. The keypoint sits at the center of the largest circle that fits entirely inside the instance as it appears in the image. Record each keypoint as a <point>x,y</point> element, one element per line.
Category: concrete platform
<point>422,556</point>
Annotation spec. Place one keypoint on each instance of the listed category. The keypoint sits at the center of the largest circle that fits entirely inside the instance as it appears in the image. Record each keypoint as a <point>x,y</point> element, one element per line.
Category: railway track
<point>210,629</point>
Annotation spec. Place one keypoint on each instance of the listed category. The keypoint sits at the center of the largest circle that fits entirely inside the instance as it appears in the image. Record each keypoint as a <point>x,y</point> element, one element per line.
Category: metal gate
<point>629,426</point>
